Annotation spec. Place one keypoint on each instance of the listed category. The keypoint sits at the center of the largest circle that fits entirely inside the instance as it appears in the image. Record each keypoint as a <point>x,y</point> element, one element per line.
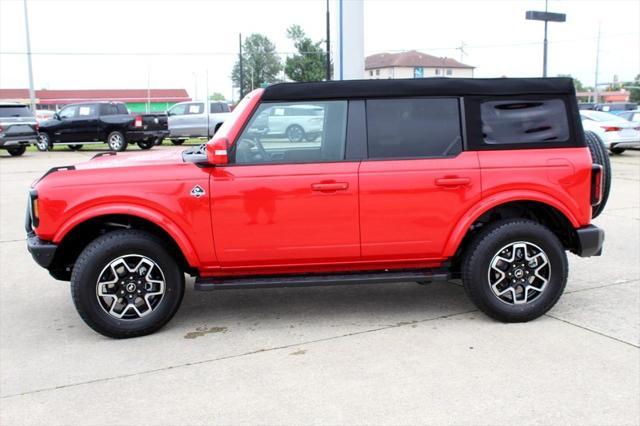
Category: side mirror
<point>217,151</point>
<point>56,116</point>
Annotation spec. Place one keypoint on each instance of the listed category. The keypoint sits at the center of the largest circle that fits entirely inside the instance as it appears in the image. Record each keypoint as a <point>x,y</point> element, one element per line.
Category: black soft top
<point>348,89</point>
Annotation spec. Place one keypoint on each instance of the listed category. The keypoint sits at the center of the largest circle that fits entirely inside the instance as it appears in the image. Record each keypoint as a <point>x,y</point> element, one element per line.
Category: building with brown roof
<point>136,99</point>
<point>413,64</point>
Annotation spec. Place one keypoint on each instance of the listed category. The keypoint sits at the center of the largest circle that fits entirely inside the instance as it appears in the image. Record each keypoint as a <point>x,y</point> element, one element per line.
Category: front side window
<point>195,108</point>
<point>413,128</point>
<point>180,109</point>
<point>68,112</point>
<point>294,132</point>
<point>522,121</point>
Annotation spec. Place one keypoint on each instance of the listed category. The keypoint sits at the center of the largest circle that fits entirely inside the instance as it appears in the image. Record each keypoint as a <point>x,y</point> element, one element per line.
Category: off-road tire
<point>599,155</point>
<point>17,150</point>
<point>488,242</point>
<point>97,255</point>
<point>121,146</point>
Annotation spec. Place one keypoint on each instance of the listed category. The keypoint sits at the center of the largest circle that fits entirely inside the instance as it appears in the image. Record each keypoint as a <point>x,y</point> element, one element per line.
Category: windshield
<point>15,111</point>
<point>600,116</point>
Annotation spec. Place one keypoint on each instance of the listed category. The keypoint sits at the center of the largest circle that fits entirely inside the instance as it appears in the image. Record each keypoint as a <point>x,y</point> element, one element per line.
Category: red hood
<point>133,159</point>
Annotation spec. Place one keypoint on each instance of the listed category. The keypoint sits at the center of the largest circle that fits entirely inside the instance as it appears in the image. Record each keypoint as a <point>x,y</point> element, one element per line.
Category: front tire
<point>177,141</point>
<point>616,151</point>
<point>116,141</point>
<point>44,142</point>
<point>17,151</point>
<point>125,284</point>
<point>515,270</point>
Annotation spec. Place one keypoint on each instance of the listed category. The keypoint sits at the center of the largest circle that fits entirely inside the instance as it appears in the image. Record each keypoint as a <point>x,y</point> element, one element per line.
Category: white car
<point>298,123</point>
<point>616,132</point>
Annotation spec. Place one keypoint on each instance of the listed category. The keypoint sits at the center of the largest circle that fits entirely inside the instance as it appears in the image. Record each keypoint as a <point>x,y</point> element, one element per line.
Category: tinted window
<point>15,111</point>
<point>108,109</point>
<point>214,108</point>
<point>400,128</point>
<point>68,112</point>
<point>524,121</point>
<point>273,136</point>
<point>122,109</point>
<point>178,109</point>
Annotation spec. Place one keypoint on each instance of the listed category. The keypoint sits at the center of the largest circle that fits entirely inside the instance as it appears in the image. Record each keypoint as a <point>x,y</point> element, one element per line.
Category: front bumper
<point>41,251</point>
<point>590,241</point>
<point>145,135</point>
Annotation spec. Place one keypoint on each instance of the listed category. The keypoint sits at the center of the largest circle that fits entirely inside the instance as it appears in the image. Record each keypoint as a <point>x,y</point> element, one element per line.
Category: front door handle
<point>330,186</point>
<point>450,182</point>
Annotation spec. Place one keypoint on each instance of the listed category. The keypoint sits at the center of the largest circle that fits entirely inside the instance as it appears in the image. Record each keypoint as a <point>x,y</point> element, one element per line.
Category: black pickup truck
<point>97,122</point>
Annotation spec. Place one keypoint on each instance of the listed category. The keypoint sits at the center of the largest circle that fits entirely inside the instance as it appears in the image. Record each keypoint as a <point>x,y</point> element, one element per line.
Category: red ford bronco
<point>487,180</point>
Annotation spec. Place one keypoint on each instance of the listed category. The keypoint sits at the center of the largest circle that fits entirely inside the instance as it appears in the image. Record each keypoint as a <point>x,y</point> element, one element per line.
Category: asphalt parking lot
<point>375,354</point>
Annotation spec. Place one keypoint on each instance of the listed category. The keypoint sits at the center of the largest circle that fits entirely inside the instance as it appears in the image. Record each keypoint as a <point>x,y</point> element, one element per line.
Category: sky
<point>95,44</point>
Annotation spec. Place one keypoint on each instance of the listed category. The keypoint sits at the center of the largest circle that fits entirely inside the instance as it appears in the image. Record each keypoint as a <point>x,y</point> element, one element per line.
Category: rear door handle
<point>330,186</point>
<point>453,181</point>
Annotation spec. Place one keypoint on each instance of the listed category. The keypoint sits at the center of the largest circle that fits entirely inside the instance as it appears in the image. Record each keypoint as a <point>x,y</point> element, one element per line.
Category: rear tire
<point>616,150</point>
<point>295,133</point>
<point>600,156</point>
<point>125,284</point>
<point>117,141</point>
<point>17,150</point>
<point>158,141</point>
<point>524,296</point>
<point>146,144</point>
<point>177,141</point>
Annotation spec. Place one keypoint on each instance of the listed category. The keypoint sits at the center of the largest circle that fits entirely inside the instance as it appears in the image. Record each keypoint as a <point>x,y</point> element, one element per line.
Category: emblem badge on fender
<point>197,191</point>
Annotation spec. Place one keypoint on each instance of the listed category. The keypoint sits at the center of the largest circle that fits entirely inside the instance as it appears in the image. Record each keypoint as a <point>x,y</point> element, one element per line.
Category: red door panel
<point>285,214</point>
<point>408,208</point>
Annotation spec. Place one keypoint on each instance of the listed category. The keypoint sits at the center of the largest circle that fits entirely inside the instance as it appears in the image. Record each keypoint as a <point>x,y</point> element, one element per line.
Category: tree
<point>260,63</point>
<point>577,83</point>
<point>217,96</point>
<point>309,63</point>
<point>634,89</point>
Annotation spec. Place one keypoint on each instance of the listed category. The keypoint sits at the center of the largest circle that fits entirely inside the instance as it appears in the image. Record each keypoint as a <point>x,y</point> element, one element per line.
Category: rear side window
<point>406,128</point>
<point>122,109</point>
<point>108,109</point>
<point>522,121</point>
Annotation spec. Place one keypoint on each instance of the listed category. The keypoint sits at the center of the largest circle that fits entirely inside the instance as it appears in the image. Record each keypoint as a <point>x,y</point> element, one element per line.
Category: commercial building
<point>137,100</point>
<point>414,64</point>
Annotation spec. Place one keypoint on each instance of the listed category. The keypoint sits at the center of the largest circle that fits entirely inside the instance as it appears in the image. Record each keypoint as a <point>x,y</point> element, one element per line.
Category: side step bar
<point>207,284</point>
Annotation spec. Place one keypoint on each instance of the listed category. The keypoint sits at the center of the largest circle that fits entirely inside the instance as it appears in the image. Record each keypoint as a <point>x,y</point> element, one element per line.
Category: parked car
<point>188,120</point>
<point>633,116</point>
<point>298,123</point>
<point>615,106</point>
<point>18,128</point>
<point>101,122</point>
<point>616,132</point>
<point>412,180</point>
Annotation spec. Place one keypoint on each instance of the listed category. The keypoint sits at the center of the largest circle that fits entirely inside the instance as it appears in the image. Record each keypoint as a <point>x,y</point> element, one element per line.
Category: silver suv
<point>188,120</point>
<point>18,128</point>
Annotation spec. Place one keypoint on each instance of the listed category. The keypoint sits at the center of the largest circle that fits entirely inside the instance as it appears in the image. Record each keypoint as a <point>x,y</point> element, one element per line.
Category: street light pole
<point>32,95</point>
<point>546,17</point>
<point>328,75</point>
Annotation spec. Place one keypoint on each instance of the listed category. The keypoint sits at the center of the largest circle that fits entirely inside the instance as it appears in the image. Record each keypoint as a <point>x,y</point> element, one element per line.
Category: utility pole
<point>328,76</point>
<point>32,95</point>
<point>241,69</point>
<point>546,17</point>
<point>595,85</point>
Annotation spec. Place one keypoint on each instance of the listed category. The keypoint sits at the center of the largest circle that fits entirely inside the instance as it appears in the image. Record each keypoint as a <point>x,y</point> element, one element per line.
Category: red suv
<point>491,181</point>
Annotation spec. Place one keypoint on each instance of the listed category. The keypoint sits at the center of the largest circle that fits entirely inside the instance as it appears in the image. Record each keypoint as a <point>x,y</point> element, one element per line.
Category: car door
<point>417,181</point>
<point>83,127</point>
<point>195,121</point>
<point>280,203</point>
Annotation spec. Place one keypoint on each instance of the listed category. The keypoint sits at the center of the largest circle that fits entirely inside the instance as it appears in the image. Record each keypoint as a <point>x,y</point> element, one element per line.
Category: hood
<point>132,159</point>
